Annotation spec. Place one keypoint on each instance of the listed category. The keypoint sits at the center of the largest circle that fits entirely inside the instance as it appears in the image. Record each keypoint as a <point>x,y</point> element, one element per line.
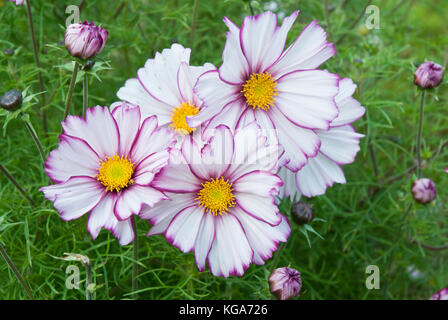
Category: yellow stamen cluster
<point>178,117</point>
<point>115,173</point>
<point>260,91</point>
<point>216,196</point>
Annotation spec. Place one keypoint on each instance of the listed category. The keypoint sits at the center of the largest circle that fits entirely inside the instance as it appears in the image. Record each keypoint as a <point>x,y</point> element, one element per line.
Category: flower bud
<point>424,190</point>
<point>85,40</point>
<point>18,2</point>
<point>302,213</point>
<point>440,295</point>
<point>285,283</point>
<point>11,100</point>
<point>8,52</point>
<point>428,75</point>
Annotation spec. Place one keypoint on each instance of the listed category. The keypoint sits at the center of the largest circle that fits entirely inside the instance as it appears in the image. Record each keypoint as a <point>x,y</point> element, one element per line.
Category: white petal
<point>306,98</point>
<point>131,200</point>
<point>262,41</point>
<point>309,51</point>
<point>350,109</point>
<point>234,68</point>
<point>263,238</point>
<point>184,227</point>
<point>204,240</point>
<point>102,215</point>
<point>252,152</point>
<point>289,188</point>
<point>148,167</point>
<point>163,212</point>
<point>340,144</point>
<point>299,143</point>
<point>231,253</point>
<point>159,75</point>
<point>177,176</point>
<point>318,174</point>
<point>216,94</point>
<point>151,139</point>
<point>128,122</point>
<point>73,157</point>
<point>99,130</point>
<point>187,77</point>
<point>134,92</point>
<point>75,197</point>
<point>260,207</point>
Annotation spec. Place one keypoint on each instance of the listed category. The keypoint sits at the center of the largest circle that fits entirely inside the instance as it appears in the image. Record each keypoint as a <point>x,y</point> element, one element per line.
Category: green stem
<point>277,256</point>
<point>16,184</point>
<point>36,59</point>
<point>193,23</point>
<point>89,294</point>
<point>85,100</point>
<point>70,90</point>
<point>419,135</point>
<point>135,260</point>
<point>16,272</point>
<point>327,18</point>
<point>252,12</point>
<point>33,134</point>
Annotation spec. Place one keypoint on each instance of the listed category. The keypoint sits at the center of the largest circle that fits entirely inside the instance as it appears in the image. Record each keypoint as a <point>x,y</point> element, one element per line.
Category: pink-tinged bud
<point>440,295</point>
<point>424,190</point>
<point>85,40</point>
<point>18,2</point>
<point>428,75</point>
<point>285,283</point>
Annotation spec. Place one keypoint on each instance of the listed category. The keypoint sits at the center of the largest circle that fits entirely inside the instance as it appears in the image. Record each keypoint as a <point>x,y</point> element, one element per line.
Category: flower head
<point>428,75</point>
<point>105,164</point>
<point>222,202</point>
<point>285,283</point>
<point>164,87</point>
<point>85,40</point>
<point>11,100</point>
<point>340,144</point>
<point>18,2</point>
<point>424,190</point>
<point>280,89</point>
<point>440,295</point>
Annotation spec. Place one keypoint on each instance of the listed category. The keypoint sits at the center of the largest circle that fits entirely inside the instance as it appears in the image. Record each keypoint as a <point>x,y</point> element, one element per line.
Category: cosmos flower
<point>222,202</point>
<point>164,87</point>
<point>105,164</point>
<point>281,89</point>
<point>85,40</point>
<point>340,145</point>
<point>18,2</point>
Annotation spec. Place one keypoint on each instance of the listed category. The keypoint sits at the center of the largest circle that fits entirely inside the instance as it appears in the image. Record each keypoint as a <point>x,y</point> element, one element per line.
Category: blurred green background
<point>371,220</point>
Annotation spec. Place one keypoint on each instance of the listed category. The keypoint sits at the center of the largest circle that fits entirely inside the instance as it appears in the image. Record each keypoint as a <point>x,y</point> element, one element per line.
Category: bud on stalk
<point>85,40</point>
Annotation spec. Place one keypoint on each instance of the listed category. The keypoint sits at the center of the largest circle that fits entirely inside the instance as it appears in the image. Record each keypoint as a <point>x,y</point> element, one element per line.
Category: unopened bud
<point>428,75</point>
<point>85,40</point>
<point>8,52</point>
<point>302,213</point>
<point>440,295</point>
<point>424,190</point>
<point>285,283</point>
<point>11,100</point>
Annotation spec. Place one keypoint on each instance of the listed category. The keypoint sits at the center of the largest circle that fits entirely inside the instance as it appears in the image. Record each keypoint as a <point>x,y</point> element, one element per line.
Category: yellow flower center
<point>178,117</point>
<point>115,173</point>
<point>260,91</point>
<point>216,196</point>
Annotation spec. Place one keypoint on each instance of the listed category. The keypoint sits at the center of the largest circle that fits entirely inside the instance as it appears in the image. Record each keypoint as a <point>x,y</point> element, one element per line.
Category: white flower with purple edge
<point>105,164</point>
<point>440,295</point>
<point>222,200</point>
<point>164,87</point>
<point>281,89</point>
